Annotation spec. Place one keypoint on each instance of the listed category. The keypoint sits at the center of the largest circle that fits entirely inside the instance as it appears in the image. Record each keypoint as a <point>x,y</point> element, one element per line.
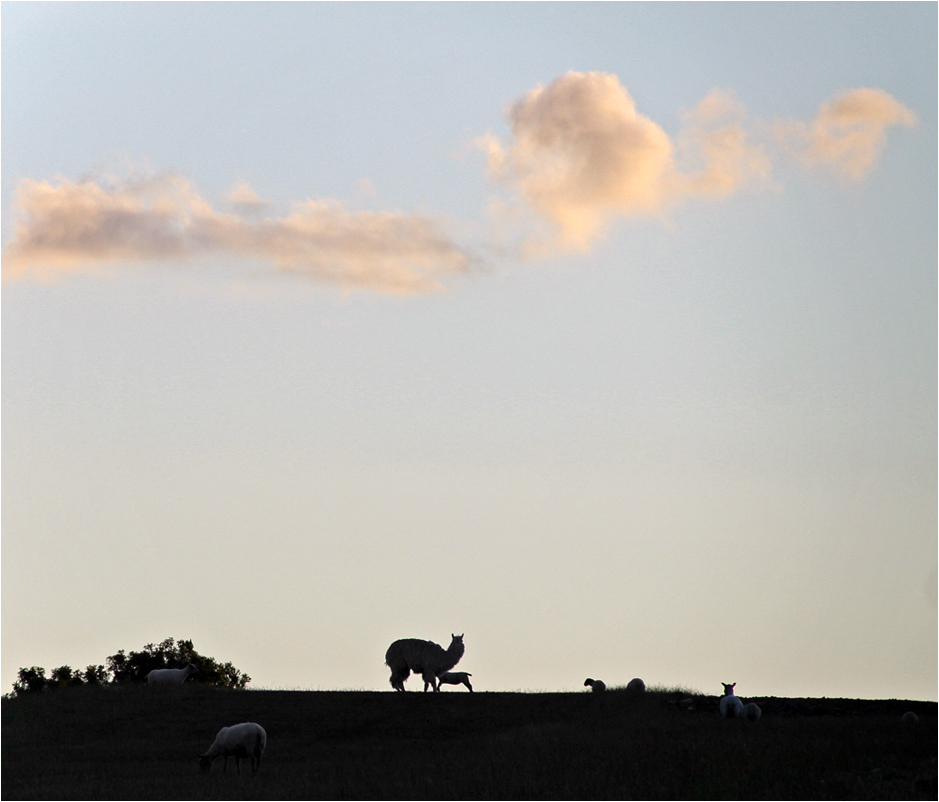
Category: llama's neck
<point>454,653</point>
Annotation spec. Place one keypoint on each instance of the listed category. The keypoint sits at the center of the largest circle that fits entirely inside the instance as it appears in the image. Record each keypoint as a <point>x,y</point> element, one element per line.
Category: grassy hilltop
<point>130,742</point>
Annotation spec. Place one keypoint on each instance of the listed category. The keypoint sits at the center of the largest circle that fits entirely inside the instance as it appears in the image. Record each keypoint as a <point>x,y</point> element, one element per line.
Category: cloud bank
<point>580,154</point>
<point>78,226</point>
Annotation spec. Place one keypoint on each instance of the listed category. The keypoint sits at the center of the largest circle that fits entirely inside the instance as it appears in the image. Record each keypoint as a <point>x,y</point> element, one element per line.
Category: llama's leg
<point>431,679</point>
<point>398,677</point>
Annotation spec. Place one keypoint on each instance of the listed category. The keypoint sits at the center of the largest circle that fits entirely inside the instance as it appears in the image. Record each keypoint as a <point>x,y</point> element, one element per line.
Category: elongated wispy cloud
<point>580,154</point>
<point>76,226</point>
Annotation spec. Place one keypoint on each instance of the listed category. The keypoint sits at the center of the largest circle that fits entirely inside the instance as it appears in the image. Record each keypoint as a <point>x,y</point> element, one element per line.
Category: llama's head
<point>729,689</point>
<point>456,644</point>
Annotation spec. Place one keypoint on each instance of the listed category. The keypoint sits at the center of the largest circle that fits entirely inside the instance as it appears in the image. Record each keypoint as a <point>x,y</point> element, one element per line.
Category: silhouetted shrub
<point>134,667</point>
<point>30,680</point>
<point>63,676</point>
<point>95,675</point>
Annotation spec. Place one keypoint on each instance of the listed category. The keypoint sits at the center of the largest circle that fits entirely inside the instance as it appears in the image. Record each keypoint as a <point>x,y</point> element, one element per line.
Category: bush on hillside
<point>133,667</point>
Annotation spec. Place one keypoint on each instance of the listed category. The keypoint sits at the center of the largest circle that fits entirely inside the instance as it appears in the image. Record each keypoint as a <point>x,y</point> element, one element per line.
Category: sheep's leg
<point>466,682</point>
<point>225,765</point>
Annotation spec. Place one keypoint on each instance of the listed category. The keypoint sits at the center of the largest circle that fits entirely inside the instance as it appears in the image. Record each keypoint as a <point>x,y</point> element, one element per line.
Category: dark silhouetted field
<point>133,743</point>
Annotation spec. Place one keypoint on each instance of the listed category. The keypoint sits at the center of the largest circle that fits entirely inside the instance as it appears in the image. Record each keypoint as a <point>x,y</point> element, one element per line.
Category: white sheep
<point>238,741</point>
<point>731,706</point>
<point>636,685</point>
<point>598,684</point>
<point>751,711</point>
<point>453,678</point>
<point>171,676</point>
<point>423,657</point>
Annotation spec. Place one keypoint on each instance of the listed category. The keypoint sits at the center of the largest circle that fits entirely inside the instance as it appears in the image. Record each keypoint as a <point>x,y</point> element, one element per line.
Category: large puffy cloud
<point>849,132</point>
<point>79,226</point>
<point>580,154</point>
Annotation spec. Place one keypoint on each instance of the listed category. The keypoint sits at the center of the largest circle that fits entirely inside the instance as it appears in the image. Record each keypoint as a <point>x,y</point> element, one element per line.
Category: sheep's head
<point>587,682</point>
<point>192,669</point>
<point>729,689</point>
<point>205,763</point>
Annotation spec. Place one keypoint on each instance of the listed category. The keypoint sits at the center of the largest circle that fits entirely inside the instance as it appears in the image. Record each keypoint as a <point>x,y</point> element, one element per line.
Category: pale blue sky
<point>703,451</point>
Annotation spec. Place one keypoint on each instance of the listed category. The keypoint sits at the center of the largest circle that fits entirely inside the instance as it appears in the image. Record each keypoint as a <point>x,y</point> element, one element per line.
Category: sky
<point>604,334</point>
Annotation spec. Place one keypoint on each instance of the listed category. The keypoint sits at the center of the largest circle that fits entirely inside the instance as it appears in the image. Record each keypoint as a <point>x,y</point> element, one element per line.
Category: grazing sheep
<point>453,678</point>
<point>171,676</point>
<point>636,685</point>
<point>731,706</point>
<point>598,684</point>
<point>422,657</point>
<point>751,711</point>
<point>238,741</point>
<point>909,717</point>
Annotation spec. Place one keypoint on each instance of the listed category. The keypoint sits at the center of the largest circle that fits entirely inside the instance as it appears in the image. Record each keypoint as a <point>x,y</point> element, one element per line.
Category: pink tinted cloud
<point>581,154</point>
<point>715,137</point>
<point>80,226</point>
<point>849,132</point>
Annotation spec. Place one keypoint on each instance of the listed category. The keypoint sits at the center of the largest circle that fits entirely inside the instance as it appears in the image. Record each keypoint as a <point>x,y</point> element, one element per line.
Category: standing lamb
<point>238,741</point>
<point>453,678</point>
<point>731,706</point>
<point>636,686</point>
<point>599,686</point>
<point>171,676</point>
<point>422,657</point>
